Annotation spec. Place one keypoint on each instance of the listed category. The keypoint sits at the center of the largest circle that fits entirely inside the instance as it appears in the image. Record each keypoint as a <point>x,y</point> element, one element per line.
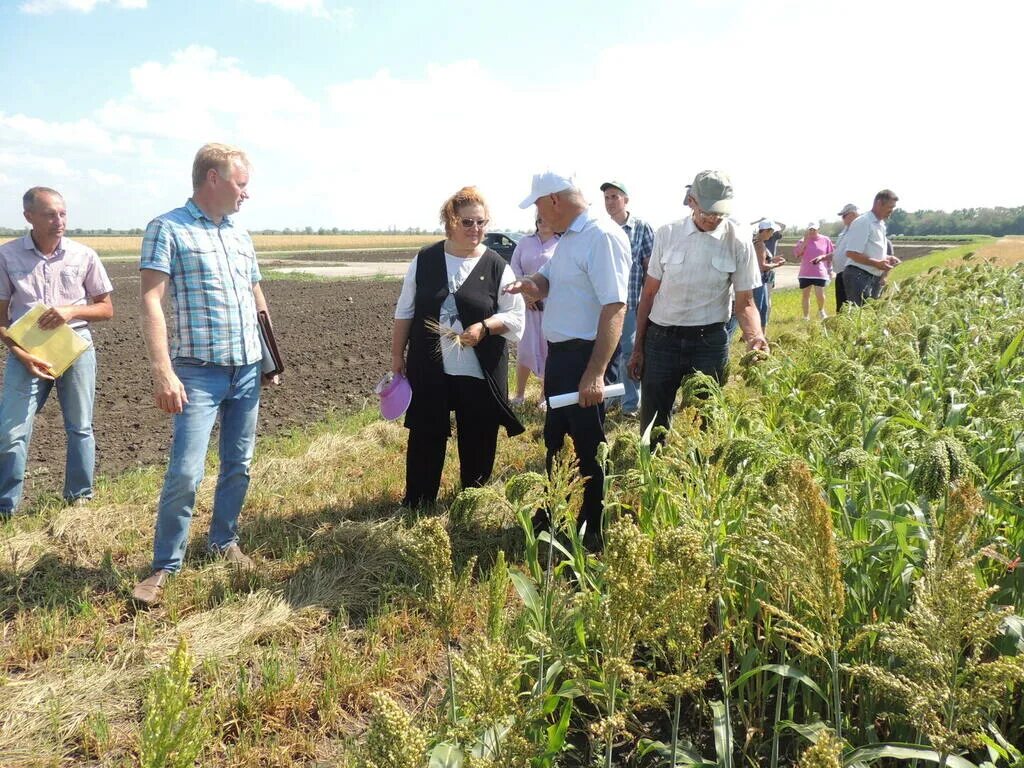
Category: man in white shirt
<point>848,214</point>
<point>867,260</point>
<point>584,291</point>
<point>684,307</point>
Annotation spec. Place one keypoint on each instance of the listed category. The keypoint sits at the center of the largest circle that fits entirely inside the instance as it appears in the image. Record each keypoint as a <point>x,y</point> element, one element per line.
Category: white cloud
<point>164,103</point>
<point>81,6</point>
<point>105,179</point>
<point>23,161</point>
<point>785,99</point>
<point>82,134</point>
<point>318,9</point>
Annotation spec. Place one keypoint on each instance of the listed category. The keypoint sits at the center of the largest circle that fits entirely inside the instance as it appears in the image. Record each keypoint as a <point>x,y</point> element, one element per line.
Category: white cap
<point>813,225</point>
<point>764,224</point>
<point>547,183</point>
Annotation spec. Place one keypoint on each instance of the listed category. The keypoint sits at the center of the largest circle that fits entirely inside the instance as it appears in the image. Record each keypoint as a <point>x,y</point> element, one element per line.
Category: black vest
<point>476,300</point>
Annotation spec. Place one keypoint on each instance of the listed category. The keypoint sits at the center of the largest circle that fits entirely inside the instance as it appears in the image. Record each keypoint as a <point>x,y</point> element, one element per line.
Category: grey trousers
<point>860,285</point>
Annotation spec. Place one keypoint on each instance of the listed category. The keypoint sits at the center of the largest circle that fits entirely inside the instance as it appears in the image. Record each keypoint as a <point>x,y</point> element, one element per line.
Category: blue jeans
<point>631,400</point>
<point>23,397</point>
<point>763,297</point>
<point>234,393</point>
<point>670,355</point>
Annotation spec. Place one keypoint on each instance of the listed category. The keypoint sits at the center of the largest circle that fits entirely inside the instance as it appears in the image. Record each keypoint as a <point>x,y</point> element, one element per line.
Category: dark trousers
<point>670,355</point>
<point>566,363</point>
<point>476,423</point>
<point>861,285</point>
<point>840,292</point>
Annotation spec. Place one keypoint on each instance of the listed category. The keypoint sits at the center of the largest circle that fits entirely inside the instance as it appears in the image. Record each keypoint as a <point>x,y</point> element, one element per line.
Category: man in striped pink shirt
<point>44,267</point>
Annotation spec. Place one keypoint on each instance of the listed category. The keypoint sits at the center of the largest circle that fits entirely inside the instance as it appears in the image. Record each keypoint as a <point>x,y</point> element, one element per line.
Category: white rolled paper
<point>571,398</point>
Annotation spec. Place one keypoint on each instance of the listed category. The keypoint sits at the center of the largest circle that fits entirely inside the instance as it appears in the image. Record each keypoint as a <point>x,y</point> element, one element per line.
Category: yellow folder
<point>59,346</point>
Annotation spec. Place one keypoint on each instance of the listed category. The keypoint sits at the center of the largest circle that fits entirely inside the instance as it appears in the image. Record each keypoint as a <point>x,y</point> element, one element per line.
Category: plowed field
<point>335,337</point>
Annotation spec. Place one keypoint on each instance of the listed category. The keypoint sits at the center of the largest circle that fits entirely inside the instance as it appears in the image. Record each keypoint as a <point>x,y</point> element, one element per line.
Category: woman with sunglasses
<point>452,324</point>
<point>531,253</point>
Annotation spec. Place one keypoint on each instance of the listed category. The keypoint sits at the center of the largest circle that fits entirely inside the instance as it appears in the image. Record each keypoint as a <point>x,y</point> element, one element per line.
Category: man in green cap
<point>696,263</point>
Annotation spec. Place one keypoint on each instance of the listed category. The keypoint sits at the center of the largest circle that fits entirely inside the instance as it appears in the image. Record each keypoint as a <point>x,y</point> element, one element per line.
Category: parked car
<point>503,243</point>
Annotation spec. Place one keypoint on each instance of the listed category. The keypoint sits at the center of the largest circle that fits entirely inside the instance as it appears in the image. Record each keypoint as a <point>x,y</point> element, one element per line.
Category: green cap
<point>617,184</point>
<point>713,192</point>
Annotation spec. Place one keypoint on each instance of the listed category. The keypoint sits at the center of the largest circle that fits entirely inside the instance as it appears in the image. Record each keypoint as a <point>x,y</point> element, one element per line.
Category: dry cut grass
<point>1006,251</point>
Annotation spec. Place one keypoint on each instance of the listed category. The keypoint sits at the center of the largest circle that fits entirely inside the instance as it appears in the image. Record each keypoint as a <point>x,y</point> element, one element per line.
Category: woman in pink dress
<point>532,252</point>
<point>815,254</point>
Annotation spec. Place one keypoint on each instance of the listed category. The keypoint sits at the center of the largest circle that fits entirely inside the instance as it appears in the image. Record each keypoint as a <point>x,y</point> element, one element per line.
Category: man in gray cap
<point>867,259</point>
<point>584,291</point>
<point>685,302</point>
<point>839,261</point>
<point>641,240</point>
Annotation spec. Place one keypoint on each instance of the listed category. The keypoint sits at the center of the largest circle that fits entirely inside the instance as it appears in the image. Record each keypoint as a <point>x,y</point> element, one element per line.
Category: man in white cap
<point>867,259</point>
<point>848,214</point>
<point>584,291</point>
<point>684,306</point>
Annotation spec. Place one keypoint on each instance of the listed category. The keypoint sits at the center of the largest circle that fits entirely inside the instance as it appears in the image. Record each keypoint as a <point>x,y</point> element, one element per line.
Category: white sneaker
<point>822,314</point>
<point>517,400</point>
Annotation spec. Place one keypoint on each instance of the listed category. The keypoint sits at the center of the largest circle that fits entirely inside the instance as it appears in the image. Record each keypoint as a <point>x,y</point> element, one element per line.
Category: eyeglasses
<point>470,223</point>
<point>707,215</point>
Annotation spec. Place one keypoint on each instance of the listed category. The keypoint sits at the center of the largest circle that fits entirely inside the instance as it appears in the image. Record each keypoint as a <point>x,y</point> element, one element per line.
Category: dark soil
<point>335,338</point>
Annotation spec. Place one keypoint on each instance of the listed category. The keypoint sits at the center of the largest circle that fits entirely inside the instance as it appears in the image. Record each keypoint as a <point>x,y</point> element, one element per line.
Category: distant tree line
<point>966,221</point>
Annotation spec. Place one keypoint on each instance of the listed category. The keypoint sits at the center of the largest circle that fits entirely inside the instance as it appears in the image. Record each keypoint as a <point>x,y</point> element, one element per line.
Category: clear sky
<point>367,115</point>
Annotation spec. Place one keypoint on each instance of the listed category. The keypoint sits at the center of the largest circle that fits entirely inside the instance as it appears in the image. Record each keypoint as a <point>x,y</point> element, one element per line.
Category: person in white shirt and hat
<point>848,214</point>
<point>681,321</point>
<point>584,291</point>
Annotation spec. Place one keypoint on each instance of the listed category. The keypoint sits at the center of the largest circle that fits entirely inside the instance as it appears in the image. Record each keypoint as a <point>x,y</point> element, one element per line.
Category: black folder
<point>273,364</point>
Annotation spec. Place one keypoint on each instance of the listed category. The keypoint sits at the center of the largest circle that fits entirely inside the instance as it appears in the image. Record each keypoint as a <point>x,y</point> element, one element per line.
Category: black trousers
<point>566,363</point>
<point>476,424</point>
<point>840,292</point>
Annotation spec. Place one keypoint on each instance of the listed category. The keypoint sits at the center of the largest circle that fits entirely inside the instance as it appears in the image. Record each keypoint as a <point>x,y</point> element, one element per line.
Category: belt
<point>690,331</point>
<point>854,266</point>
<point>570,343</point>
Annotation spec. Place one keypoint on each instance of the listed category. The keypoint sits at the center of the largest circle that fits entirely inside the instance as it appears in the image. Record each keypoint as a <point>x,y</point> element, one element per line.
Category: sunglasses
<point>470,223</point>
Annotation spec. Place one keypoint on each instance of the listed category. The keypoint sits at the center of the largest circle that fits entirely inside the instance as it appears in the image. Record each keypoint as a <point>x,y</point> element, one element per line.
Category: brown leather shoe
<point>234,555</point>
<point>150,590</point>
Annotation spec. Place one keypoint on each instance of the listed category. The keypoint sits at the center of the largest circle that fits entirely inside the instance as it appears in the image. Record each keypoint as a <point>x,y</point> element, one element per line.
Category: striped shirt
<point>641,242</point>
<point>212,269</point>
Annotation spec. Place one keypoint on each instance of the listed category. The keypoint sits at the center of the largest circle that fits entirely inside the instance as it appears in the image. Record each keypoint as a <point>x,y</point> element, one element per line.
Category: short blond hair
<point>218,157</point>
<point>450,210</point>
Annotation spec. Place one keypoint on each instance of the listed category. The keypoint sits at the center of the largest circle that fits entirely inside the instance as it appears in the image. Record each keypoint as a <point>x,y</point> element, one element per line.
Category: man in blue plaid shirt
<point>641,240</point>
<point>214,361</point>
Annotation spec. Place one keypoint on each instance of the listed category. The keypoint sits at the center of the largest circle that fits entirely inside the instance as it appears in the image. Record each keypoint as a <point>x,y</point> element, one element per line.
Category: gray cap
<point>713,192</point>
<point>848,208</point>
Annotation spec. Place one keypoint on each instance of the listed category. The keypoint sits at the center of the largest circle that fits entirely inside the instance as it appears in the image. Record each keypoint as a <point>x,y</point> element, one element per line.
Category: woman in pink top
<point>815,254</point>
<point>530,254</point>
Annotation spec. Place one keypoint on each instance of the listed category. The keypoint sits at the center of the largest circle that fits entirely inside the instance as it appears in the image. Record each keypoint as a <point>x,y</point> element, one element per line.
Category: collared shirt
<point>70,277</point>
<point>698,271</point>
<point>641,241</point>
<point>212,269</point>
<point>590,269</point>
<point>839,260</point>
<point>866,235</point>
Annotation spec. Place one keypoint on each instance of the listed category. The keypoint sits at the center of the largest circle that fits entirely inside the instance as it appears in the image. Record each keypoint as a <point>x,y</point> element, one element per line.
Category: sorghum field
<point>821,566</point>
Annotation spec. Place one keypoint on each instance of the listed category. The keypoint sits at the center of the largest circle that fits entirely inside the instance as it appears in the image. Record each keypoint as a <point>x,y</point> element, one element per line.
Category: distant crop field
<point>119,245</point>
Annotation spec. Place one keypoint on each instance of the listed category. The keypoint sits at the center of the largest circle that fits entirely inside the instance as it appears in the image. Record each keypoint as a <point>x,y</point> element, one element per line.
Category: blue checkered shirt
<point>641,241</point>
<point>212,269</point>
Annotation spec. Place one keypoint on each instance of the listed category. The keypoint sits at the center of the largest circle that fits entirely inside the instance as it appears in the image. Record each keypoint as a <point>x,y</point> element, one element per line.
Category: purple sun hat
<point>395,395</point>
